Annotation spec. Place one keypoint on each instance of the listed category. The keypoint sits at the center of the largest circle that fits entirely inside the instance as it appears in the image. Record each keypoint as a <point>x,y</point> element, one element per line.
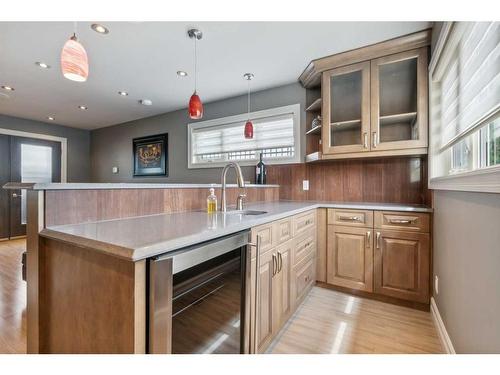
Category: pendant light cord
<point>248,100</point>
<point>195,63</point>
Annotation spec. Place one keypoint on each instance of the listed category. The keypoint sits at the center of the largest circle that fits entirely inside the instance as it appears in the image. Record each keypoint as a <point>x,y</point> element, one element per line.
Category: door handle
<point>275,264</point>
<point>365,140</point>
<point>280,259</point>
<point>378,240</point>
<point>374,140</point>
<point>369,238</point>
<point>15,195</point>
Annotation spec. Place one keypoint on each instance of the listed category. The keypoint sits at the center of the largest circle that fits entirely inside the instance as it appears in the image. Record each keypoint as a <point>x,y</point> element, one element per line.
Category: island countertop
<point>143,237</point>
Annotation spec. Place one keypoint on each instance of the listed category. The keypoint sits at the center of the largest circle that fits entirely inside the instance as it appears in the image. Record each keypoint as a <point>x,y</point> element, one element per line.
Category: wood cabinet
<point>381,252</point>
<point>346,109</point>
<point>373,101</point>
<point>401,267</point>
<point>286,272</point>
<point>350,257</point>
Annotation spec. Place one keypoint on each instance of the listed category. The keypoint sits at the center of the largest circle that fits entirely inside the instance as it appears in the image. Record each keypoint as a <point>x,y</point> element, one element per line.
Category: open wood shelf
<point>398,118</point>
<point>312,157</point>
<point>315,106</point>
<point>316,130</point>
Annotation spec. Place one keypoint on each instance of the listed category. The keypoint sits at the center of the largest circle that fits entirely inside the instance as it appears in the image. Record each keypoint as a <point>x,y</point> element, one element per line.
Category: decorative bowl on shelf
<point>316,121</point>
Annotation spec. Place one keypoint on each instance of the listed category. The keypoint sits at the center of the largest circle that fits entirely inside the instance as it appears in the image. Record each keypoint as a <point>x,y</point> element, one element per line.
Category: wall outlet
<point>436,284</point>
<point>305,185</point>
<point>115,170</point>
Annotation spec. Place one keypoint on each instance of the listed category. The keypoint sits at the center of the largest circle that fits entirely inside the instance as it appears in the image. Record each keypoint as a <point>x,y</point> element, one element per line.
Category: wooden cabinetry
<point>350,257</point>
<point>286,271</point>
<point>384,252</point>
<point>374,100</point>
<point>401,267</point>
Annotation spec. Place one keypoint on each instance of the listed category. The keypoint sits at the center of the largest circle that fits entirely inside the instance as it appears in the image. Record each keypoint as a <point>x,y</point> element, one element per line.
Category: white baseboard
<point>443,334</point>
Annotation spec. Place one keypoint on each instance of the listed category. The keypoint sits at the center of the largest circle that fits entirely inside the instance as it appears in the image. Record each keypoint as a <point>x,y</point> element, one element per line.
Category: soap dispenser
<point>211,202</point>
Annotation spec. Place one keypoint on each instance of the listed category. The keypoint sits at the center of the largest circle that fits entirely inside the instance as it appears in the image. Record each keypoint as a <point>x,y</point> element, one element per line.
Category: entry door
<point>31,160</point>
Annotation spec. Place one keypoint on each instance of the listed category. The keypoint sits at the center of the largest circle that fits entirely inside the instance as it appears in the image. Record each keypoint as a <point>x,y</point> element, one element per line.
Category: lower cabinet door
<point>267,268</point>
<point>350,257</point>
<point>282,282</point>
<point>402,265</point>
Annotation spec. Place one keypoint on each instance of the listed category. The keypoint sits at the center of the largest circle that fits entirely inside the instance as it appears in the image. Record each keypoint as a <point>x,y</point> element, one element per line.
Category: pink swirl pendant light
<point>74,61</point>
<point>248,132</point>
<point>195,108</point>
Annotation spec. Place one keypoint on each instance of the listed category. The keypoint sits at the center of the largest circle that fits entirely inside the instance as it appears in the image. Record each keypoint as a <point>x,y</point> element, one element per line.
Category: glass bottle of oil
<point>211,202</point>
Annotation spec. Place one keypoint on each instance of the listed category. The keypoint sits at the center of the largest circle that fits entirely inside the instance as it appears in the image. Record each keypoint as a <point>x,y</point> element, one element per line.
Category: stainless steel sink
<point>246,212</point>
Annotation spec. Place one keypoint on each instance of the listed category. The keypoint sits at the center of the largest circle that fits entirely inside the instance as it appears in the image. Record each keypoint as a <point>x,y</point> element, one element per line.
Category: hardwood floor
<point>12,298</point>
<point>327,322</point>
<point>332,322</point>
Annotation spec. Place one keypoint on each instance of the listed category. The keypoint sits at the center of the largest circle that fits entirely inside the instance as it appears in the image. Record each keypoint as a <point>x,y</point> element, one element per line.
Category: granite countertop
<point>92,186</point>
<point>147,236</point>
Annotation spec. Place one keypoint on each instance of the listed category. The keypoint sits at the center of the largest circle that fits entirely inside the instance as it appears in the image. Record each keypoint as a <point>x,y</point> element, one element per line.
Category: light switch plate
<point>305,185</point>
<point>115,170</point>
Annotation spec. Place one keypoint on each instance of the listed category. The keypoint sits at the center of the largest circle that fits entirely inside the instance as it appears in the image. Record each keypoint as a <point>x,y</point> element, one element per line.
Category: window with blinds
<point>216,142</point>
<point>465,98</point>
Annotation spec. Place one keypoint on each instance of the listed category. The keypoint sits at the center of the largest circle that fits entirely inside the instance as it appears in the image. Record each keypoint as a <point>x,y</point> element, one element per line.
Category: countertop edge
<point>115,186</point>
<point>154,249</point>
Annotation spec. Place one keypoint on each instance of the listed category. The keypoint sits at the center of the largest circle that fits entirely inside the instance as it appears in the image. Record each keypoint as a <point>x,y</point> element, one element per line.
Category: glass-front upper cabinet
<point>346,109</point>
<point>399,101</point>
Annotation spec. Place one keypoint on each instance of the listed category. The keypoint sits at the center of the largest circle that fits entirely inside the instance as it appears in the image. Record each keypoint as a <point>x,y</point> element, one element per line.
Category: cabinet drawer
<point>305,244</point>
<point>354,218</point>
<point>303,277</point>
<point>266,234</point>
<point>283,230</point>
<point>303,222</point>
<point>413,221</point>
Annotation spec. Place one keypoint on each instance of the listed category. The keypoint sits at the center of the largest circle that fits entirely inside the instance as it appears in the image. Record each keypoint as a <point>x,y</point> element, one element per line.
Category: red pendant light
<point>195,108</point>
<point>248,126</point>
<point>74,60</point>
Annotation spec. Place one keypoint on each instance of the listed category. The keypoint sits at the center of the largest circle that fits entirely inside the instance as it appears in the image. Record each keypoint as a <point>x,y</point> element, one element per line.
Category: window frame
<point>294,109</point>
<point>478,178</point>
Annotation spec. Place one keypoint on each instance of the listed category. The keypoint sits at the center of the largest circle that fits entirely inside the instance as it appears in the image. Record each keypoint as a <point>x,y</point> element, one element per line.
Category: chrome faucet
<point>241,184</point>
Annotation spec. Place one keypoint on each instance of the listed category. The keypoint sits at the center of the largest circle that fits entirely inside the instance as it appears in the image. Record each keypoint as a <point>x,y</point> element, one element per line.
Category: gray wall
<point>112,146</point>
<point>78,143</point>
<point>467,261</point>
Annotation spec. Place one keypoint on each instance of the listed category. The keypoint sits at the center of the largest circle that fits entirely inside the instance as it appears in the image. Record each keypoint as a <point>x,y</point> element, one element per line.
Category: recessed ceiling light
<point>42,65</point>
<point>146,102</point>
<point>122,93</point>
<point>181,73</point>
<point>99,28</point>
<point>8,88</point>
<point>82,107</point>
<point>50,118</point>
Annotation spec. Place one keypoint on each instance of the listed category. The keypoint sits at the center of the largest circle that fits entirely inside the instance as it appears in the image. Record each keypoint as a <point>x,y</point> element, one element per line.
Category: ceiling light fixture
<point>83,107</point>
<point>248,125</point>
<point>42,65</point>
<point>99,28</point>
<point>195,107</point>
<point>122,93</point>
<point>8,88</point>
<point>182,73</point>
<point>146,102</point>
<point>50,118</point>
<point>74,60</point>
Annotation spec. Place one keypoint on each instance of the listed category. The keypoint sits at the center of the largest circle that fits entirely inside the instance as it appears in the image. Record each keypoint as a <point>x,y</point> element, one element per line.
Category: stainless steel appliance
<point>199,298</point>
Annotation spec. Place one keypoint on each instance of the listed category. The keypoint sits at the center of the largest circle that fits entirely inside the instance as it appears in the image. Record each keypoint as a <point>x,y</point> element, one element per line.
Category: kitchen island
<point>89,271</point>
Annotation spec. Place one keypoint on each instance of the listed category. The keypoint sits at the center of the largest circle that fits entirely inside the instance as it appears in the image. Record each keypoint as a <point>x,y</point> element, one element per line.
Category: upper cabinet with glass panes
<point>377,107</point>
<point>374,99</point>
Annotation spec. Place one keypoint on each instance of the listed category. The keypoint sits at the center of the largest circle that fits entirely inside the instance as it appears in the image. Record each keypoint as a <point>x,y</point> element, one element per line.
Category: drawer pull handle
<point>349,218</point>
<point>401,221</point>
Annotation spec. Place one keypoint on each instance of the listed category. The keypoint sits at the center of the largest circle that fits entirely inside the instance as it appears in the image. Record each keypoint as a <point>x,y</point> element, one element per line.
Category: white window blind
<point>218,141</point>
<point>469,74</point>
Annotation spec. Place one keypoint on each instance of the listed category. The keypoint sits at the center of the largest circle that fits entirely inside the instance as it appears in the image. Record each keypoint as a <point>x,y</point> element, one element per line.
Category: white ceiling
<point>142,58</point>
